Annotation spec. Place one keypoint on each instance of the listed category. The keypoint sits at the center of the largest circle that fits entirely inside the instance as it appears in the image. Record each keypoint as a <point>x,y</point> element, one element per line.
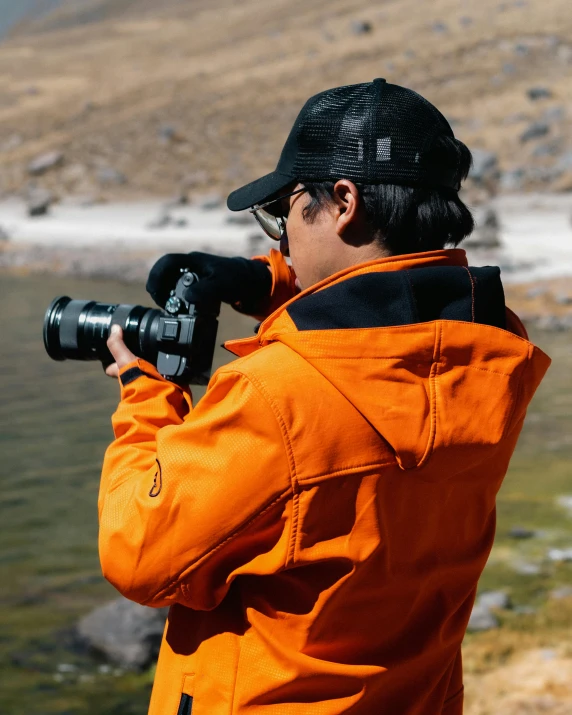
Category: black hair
<point>410,219</point>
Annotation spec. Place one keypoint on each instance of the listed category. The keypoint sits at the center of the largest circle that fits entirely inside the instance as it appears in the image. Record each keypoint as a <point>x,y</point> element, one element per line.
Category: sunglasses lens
<point>273,226</point>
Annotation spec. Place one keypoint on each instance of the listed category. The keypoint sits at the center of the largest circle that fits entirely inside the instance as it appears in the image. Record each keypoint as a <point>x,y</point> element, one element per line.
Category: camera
<point>179,340</point>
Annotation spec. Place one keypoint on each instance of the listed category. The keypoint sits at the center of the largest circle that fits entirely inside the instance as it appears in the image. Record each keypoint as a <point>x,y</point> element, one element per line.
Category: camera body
<point>179,340</point>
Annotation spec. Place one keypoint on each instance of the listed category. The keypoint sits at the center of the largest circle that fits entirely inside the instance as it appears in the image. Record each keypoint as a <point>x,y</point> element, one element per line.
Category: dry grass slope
<point>229,78</point>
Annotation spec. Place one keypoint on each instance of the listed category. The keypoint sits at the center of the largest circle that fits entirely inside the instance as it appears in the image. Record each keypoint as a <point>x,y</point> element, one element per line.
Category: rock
<point>482,619</point>
<point>525,568</point>
<point>508,68</point>
<point>535,131</point>
<point>210,201</point>
<point>180,199</point>
<point>520,532</point>
<point>559,555</point>
<point>45,162</point>
<point>554,114</point>
<point>563,299</point>
<point>536,93</point>
<point>12,142</point>
<point>547,150</point>
<point>521,49</point>
<point>516,118</point>
<point>513,180</point>
<point>554,323</point>
<point>180,222</point>
<point>361,27</point>
<point>39,202</point>
<point>487,229</point>
<point>126,633</point>
<point>524,610</point>
<point>240,218</point>
<point>484,167</point>
<point>439,28</point>
<point>561,592</point>
<point>565,161</point>
<point>495,599</point>
<point>168,134</point>
<point>565,501</point>
<point>466,21</point>
<point>162,221</point>
<point>107,176</point>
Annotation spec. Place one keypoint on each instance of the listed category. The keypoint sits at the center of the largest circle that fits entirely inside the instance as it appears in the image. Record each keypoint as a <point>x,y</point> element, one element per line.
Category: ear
<point>347,199</point>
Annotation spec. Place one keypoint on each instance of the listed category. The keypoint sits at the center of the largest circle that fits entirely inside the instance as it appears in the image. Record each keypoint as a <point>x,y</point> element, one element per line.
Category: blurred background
<point>123,124</point>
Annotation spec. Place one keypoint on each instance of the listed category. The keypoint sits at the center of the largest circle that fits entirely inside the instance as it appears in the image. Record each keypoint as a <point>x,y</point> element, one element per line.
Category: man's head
<point>380,168</point>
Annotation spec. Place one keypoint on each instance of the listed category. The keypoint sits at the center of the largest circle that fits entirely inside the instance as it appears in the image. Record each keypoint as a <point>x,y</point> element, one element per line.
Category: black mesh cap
<point>372,133</point>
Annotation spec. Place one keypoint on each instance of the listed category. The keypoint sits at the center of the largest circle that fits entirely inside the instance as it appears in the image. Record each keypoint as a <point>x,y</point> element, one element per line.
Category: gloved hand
<point>243,283</point>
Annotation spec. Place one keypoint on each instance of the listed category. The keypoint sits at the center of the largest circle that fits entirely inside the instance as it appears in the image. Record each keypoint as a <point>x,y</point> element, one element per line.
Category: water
<point>54,427</point>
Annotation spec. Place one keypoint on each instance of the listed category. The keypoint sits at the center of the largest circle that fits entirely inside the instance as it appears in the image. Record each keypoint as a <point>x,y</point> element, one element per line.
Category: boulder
<point>484,167</point>
<point>526,568</point>
<point>554,114</point>
<point>45,162</point>
<point>439,28</point>
<point>561,592</point>
<point>482,619</point>
<point>162,221</point>
<point>536,93</point>
<point>126,633</point>
<point>565,502</point>
<point>520,532</point>
<point>534,131</point>
<point>495,600</point>
<point>168,134</point>
<point>560,555</point>
<point>108,176</point>
<point>39,202</point>
<point>487,229</point>
<point>513,180</point>
<point>361,27</point>
<point>210,202</point>
<point>565,161</point>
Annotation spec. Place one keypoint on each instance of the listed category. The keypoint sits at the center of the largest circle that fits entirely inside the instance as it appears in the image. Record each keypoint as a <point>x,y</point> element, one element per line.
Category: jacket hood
<point>423,347</point>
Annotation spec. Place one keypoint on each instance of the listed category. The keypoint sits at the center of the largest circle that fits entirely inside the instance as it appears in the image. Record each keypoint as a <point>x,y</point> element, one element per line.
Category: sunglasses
<point>273,221</point>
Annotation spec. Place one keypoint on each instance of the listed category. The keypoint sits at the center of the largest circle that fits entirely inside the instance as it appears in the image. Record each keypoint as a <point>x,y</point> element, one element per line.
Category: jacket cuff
<point>283,283</point>
<point>136,369</point>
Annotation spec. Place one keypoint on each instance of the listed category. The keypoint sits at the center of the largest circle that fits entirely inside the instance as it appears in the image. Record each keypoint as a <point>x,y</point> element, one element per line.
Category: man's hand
<point>123,356</point>
<point>241,282</point>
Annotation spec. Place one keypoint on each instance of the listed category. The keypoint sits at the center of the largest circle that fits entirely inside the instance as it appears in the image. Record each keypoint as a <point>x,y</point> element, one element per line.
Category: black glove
<point>239,281</point>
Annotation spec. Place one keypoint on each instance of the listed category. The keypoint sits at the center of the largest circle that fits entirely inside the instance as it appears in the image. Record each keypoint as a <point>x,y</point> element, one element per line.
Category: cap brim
<point>257,191</point>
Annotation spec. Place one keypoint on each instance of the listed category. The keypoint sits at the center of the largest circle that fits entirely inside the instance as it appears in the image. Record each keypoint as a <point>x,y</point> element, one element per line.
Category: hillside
<point>202,94</point>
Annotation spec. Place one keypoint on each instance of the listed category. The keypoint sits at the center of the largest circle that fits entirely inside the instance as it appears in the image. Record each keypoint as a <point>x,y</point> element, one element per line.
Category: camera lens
<point>79,329</point>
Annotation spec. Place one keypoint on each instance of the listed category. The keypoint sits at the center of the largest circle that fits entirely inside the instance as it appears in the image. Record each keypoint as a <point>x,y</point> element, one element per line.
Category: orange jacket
<point>319,521</point>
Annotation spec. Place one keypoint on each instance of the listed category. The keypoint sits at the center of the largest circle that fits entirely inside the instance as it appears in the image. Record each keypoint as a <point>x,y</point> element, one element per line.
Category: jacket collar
<point>280,322</point>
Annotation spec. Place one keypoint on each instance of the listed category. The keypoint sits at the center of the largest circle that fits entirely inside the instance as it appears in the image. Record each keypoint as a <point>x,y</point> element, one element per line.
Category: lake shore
<point>121,240</point>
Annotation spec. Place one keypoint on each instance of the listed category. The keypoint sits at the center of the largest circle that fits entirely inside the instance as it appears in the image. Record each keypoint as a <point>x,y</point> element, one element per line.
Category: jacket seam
<point>455,695</point>
<point>356,469</point>
<point>295,487</point>
<point>206,554</point>
<point>508,425</point>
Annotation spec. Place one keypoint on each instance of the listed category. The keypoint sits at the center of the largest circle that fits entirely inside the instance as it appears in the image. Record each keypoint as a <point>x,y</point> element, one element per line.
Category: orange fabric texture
<point>319,521</point>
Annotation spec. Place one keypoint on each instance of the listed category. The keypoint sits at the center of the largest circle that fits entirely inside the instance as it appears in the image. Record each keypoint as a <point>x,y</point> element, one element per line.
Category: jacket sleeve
<point>190,498</point>
<point>283,284</point>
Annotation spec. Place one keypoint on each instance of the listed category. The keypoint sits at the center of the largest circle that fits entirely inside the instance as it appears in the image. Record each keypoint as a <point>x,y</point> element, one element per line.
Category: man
<point>318,522</point>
